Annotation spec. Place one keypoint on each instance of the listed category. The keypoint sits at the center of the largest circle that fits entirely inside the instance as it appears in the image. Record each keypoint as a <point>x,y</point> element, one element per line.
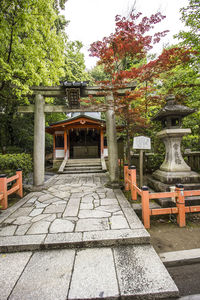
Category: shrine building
<point>80,136</point>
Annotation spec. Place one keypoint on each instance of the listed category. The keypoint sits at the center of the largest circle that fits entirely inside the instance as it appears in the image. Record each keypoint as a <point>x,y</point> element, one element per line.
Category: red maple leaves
<point>129,40</point>
<point>123,55</point>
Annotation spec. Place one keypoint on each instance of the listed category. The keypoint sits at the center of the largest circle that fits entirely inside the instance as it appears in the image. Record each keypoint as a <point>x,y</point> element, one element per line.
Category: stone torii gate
<point>39,108</point>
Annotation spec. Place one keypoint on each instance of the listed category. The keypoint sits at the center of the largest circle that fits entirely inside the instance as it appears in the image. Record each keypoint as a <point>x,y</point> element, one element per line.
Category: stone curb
<point>92,239</point>
<point>177,258</point>
<point>190,297</point>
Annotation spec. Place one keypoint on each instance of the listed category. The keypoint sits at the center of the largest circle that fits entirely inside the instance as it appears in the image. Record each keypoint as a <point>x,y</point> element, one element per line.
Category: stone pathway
<point>72,210</point>
<point>94,273</point>
<point>109,255</point>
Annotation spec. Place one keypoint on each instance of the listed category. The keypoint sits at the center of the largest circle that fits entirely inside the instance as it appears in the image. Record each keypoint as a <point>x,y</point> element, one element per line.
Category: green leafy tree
<point>31,47</point>
<point>34,50</point>
<point>74,62</point>
<point>185,82</point>
<point>191,17</point>
<point>31,53</point>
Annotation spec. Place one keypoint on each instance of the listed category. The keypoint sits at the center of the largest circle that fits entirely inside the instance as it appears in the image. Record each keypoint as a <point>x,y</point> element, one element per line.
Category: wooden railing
<point>177,196</point>
<point>16,188</point>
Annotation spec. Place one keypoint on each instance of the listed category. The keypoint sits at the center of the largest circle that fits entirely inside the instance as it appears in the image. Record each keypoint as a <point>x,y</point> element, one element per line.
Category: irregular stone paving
<point>70,209</point>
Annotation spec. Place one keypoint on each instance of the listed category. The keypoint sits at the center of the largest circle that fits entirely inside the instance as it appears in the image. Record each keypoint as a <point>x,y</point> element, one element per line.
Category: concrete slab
<point>22,220</point>
<point>132,218</point>
<point>121,198</point>
<point>40,205</point>
<point>129,213</point>
<point>11,267</point>
<point>39,227</point>
<point>87,206</point>
<point>63,240</point>
<point>21,243</point>
<point>53,208</point>
<point>61,225</point>
<point>22,211</point>
<point>72,208</point>
<point>22,229</point>
<point>118,222</point>
<point>141,274</point>
<point>177,258</point>
<point>191,297</point>
<point>7,213</point>
<point>47,276</point>
<point>45,197</point>
<point>109,201</point>
<point>91,225</point>
<point>115,237</point>
<point>52,200</point>
<point>8,230</point>
<point>38,218</point>
<point>109,208</point>
<point>94,275</point>
<point>35,212</point>
<point>89,213</point>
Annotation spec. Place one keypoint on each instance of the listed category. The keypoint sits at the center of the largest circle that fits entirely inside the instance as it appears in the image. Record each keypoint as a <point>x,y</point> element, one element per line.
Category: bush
<point>154,162</point>
<point>13,150</point>
<point>9,163</point>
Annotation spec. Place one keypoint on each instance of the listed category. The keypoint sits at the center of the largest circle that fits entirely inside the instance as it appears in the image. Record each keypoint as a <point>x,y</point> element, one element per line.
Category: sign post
<point>141,143</point>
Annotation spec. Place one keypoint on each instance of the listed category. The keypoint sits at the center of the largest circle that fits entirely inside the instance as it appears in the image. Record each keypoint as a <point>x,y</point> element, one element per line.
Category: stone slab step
<point>129,272</point>
<point>83,171</point>
<point>74,240</point>
<point>82,167</point>
<point>83,161</point>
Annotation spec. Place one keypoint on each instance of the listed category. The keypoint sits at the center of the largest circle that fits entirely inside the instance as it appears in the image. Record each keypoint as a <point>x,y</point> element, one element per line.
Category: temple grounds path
<point>96,247</point>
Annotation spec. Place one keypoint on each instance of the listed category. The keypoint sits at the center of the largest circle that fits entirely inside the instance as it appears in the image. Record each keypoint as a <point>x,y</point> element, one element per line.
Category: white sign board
<point>142,142</point>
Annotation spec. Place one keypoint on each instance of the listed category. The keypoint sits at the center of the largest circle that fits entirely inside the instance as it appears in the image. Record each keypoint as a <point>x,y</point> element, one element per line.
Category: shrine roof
<point>76,118</point>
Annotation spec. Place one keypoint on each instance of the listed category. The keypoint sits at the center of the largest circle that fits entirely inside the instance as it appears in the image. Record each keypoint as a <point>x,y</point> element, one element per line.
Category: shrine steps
<point>79,166</point>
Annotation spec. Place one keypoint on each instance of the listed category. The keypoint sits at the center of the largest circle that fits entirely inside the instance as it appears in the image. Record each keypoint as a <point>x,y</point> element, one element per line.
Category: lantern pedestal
<point>174,169</point>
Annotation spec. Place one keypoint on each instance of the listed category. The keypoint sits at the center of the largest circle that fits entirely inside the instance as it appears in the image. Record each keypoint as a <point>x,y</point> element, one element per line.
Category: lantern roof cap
<point>172,108</point>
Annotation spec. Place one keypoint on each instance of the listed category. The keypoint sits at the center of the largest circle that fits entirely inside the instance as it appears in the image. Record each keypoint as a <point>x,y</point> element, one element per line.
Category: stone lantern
<point>174,169</point>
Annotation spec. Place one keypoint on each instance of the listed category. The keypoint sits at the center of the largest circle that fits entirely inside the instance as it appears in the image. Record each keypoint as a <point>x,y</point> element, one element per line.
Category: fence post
<point>145,207</point>
<point>132,171</point>
<point>19,182</point>
<point>3,190</point>
<point>126,184</point>
<point>180,203</point>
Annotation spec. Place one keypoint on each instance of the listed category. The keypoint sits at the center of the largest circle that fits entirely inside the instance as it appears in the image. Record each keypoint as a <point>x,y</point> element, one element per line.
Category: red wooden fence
<point>179,195</point>
<point>16,188</point>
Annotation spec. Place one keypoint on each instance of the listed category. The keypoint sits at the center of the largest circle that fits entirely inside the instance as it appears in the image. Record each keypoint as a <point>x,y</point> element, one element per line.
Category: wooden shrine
<point>80,136</point>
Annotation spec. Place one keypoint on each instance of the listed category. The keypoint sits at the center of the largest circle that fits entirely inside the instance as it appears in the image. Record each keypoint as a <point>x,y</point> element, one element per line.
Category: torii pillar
<point>39,141</point>
<point>112,142</point>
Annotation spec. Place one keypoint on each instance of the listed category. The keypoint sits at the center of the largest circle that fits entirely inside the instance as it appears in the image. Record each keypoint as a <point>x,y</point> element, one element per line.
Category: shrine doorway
<point>84,143</point>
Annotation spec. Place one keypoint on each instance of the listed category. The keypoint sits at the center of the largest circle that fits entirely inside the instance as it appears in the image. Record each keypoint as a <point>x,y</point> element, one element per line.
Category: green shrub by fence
<point>9,163</point>
<point>152,161</point>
